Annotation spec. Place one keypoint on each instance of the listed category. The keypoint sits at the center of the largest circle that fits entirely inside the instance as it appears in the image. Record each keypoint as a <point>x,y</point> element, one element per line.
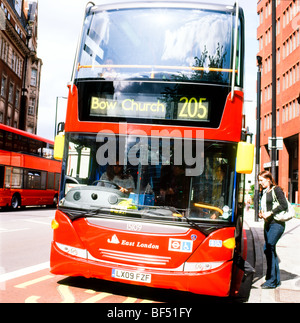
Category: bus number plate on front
<point>131,275</point>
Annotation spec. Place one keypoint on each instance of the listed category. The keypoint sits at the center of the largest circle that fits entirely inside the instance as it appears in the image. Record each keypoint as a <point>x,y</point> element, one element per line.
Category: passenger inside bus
<point>219,189</point>
<point>116,175</point>
<point>174,186</point>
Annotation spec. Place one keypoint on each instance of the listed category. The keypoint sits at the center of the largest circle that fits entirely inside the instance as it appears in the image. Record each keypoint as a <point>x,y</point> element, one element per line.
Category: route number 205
<point>193,109</point>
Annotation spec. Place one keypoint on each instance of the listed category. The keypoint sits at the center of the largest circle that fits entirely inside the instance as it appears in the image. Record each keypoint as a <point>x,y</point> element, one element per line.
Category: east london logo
<point>114,240</point>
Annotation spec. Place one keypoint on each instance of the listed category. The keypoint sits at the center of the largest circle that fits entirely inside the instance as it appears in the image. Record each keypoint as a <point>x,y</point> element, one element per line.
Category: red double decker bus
<point>154,154</point>
<point>29,175</point>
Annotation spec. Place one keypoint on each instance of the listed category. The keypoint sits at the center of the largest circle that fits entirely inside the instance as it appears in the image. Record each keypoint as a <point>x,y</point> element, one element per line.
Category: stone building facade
<point>20,68</point>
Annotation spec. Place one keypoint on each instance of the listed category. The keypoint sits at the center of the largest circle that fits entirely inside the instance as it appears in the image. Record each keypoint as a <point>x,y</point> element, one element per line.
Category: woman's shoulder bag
<point>286,215</point>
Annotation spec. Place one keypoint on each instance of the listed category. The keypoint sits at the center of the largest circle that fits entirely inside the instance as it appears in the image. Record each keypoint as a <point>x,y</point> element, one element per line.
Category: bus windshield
<point>181,45</point>
<point>153,178</point>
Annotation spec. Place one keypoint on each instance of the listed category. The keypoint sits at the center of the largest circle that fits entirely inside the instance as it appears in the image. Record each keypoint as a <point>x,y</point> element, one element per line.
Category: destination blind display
<point>186,108</point>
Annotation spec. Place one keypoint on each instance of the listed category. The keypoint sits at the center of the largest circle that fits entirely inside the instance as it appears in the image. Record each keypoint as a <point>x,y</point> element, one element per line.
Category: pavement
<point>288,251</point>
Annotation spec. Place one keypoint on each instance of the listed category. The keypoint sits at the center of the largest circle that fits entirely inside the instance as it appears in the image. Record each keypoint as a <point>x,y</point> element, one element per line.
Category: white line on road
<point>24,271</point>
<point>3,230</point>
<point>38,222</point>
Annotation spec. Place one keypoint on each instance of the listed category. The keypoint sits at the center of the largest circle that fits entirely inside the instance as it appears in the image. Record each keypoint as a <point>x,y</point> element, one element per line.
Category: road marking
<point>66,294</point>
<point>32,299</point>
<point>3,230</point>
<point>34,281</point>
<point>38,222</point>
<point>96,298</point>
<point>24,271</point>
<point>130,300</point>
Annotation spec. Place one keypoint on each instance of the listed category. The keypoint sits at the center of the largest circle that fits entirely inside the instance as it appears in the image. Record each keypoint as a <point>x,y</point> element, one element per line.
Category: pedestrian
<point>273,229</point>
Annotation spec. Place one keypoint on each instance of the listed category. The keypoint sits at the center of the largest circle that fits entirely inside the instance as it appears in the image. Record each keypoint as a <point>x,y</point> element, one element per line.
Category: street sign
<point>278,145</point>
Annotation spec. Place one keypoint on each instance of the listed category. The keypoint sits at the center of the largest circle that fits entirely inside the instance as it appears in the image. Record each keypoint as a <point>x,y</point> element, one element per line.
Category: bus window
<point>17,178</point>
<point>79,158</point>
<point>2,168</point>
<point>23,144</point>
<point>35,147</point>
<point>8,140</point>
<point>16,143</point>
<point>1,139</point>
<point>56,182</point>
<point>7,177</point>
<point>43,180</point>
<point>47,153</point>
<point>179,45</point>
<point>50,185</point>
<point>160,171</point>
<point>32,179</point>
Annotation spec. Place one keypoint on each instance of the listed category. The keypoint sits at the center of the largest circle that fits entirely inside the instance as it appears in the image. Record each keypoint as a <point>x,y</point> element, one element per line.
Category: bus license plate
<point>131,275</point>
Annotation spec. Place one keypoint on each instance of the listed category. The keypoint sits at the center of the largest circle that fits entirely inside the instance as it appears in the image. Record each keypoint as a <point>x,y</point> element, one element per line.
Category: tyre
<point>15,201</point>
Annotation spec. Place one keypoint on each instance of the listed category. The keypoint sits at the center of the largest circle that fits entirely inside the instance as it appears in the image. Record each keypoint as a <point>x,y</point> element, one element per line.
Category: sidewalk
<point>288,251</point>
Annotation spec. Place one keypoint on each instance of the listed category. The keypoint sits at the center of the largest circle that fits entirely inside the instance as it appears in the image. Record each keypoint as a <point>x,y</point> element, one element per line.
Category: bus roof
<point>119,4</point>
<point>24,133</point>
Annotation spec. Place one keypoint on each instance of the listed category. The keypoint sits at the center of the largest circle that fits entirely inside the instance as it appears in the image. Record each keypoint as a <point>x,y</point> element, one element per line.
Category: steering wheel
<point>116,186</point>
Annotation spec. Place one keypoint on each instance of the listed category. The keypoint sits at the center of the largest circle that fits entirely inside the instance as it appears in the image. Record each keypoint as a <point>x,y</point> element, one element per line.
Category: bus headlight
<point>77,196</point>
<point>202,266</point>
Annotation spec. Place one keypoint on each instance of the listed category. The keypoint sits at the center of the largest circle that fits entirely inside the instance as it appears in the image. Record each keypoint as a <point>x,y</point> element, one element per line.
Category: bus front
<point>150,193</point>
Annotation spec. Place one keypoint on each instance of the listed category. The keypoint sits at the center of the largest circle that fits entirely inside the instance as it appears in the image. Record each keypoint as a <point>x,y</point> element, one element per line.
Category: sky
<point>59,26</point>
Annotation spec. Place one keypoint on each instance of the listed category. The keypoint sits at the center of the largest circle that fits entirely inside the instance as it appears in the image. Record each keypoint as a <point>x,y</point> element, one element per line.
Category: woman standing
<point>273,229</point>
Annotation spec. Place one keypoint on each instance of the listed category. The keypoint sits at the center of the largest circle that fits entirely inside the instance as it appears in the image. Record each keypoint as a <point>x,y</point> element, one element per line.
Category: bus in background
<point>29,175</point>
<point>154,148</point>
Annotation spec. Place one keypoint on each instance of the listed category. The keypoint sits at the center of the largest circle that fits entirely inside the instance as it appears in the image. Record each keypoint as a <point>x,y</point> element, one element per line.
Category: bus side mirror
<point>245,158</point>
<point>59,143</point>
<point>60,127</point>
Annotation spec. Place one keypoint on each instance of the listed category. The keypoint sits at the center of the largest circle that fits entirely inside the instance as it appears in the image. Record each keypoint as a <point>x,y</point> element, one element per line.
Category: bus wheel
<point>15,201</point>
<point>55,200</point>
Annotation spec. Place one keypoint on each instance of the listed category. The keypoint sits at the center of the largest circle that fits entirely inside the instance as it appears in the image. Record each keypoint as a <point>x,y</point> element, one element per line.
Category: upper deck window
<point>157,43</point>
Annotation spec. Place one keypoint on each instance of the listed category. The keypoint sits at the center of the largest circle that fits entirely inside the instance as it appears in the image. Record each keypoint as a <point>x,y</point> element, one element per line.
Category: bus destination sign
<point>195,109</point>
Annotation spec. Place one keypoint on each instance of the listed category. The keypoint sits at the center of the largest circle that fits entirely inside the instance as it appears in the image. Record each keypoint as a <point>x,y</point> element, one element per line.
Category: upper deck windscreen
<point>157,43</point>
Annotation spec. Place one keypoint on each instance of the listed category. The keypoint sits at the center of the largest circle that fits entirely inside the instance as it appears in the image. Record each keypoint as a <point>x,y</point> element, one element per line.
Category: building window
<point>10,93</point>
<point>33,80</point>
<point>3,86</point>
<point>5,49</point>
<point>31,107</point>
<point>18,6</point>
<point>17,99</point>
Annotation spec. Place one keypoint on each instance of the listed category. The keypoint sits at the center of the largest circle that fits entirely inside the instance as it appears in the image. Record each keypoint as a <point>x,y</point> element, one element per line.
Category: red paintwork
<point>28,196</point>
<point>86,236</point>
<point>229,130</point>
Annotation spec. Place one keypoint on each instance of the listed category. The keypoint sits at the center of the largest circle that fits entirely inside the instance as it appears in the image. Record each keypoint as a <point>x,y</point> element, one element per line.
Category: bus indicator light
<point>54,224</point>
<point>229,243</point>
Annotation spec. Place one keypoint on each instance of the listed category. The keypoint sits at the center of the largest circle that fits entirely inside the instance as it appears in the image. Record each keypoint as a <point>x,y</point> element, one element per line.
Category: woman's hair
<point>111,173</point>
<point>266,174</point>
